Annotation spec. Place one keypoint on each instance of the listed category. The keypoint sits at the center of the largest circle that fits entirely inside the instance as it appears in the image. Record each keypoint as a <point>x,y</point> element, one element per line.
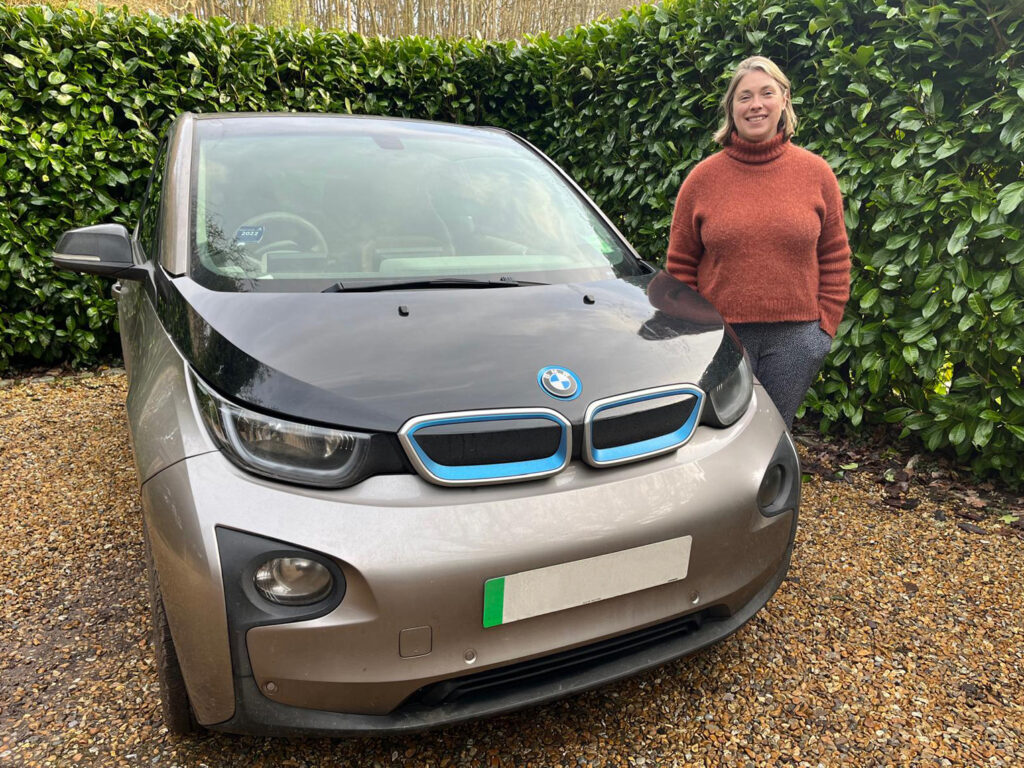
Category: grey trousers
<point>786,357</point>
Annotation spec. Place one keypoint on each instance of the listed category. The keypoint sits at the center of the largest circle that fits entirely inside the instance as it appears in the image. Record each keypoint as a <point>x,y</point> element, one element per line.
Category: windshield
<point>302,203</point>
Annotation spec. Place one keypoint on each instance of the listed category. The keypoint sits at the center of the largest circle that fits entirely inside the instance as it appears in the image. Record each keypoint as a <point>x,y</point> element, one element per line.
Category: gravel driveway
<point>897,640</point>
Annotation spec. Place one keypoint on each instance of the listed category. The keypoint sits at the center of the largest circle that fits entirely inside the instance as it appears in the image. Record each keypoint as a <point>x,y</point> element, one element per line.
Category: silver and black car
<point>419,437</point>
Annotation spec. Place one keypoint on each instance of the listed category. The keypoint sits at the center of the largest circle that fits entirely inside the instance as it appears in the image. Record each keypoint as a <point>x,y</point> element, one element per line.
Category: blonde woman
<point>758,230</point>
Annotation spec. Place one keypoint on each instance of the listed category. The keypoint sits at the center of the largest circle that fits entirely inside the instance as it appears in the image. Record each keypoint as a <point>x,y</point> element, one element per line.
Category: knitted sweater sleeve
<point>833,259</point>
<point>685,248</point>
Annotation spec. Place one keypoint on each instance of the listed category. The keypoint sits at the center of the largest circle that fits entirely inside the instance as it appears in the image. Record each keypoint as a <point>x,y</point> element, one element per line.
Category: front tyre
<point>174,704</point>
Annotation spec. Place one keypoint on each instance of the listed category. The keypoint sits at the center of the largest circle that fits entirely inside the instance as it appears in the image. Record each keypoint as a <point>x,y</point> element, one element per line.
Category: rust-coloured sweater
<point>758,230</point>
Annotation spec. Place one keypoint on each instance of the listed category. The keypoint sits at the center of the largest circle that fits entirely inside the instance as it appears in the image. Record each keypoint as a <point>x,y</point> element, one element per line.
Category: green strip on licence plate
<point>567,585</point>
<point>494,601</point>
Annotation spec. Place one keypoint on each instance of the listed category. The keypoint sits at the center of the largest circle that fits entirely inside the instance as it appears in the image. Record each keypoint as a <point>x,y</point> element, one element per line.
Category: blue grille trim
<point>620,454</point>
<point>481,474</point>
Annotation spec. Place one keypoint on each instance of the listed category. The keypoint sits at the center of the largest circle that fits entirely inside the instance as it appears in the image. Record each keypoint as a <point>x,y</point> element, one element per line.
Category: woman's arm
<point>685,248</point>
<point>833,260</point>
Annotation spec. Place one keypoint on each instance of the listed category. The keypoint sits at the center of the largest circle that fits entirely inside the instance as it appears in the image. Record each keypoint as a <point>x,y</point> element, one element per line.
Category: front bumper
<point>258,715</point>
<point>416,556</point>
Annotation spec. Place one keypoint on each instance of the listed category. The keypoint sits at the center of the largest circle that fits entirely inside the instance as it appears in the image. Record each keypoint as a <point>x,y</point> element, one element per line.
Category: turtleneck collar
<point>756,153</point>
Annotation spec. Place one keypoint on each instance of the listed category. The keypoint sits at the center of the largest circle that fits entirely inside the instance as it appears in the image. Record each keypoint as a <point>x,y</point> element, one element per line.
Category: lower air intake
<point>564,664</point>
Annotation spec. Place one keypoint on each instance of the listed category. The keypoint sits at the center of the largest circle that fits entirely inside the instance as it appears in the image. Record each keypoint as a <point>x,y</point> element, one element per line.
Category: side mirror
<point>103,249</point>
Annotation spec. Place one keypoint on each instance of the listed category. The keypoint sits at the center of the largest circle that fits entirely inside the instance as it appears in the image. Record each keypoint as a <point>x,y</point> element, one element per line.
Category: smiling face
<point>757,106</point>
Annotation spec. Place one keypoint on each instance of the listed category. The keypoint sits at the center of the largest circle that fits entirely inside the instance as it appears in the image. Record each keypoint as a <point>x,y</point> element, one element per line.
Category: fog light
<point>293,580</point>
<point>771,486</point>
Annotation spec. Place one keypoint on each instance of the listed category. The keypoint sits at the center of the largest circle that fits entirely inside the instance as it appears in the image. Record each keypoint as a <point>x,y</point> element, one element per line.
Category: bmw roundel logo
<point>559,382</point>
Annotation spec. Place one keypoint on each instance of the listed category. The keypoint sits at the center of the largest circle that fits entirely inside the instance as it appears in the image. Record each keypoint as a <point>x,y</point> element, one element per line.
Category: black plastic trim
<point>241,554</point>
<point>788,497</point>
<point>617,425</point>
<point>489,442</point>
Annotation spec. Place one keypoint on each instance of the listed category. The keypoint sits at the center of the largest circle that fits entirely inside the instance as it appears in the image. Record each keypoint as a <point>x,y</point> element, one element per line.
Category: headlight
<point>730,398</point>
<point>281,449</point>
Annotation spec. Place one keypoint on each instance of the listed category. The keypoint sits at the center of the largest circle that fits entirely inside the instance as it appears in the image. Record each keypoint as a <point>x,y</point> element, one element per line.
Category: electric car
<point>419,436</point>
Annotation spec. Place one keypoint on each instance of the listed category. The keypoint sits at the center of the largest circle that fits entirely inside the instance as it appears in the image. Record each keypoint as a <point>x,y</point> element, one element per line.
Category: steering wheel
<point>304,225</point>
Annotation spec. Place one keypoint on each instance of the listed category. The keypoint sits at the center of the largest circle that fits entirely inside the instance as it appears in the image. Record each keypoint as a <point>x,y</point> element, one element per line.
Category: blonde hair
<point>787,123</point>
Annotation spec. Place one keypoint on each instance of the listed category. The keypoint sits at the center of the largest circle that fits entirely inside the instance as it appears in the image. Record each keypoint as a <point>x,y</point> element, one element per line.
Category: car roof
<point>379,122</point>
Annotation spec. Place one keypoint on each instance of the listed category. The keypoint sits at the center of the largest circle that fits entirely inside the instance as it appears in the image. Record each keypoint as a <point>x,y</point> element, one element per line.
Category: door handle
<point>115,289</point>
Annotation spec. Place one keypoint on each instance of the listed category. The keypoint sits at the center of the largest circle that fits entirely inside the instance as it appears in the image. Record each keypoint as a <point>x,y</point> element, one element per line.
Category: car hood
<point>374,360</point>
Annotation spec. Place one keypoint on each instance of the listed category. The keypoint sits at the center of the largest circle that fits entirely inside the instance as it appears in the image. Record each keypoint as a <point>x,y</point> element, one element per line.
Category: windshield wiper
<point>438,282</point>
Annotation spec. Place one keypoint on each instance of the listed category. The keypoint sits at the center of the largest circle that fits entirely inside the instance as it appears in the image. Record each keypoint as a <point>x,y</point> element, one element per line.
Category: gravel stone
<point>897,640</point>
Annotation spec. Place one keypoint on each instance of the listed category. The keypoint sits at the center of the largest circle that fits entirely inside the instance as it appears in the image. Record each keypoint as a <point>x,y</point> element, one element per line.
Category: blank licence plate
<point>557,587</point>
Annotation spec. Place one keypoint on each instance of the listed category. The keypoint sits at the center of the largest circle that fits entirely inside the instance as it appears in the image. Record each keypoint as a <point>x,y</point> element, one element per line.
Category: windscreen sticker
<point>248,235</point>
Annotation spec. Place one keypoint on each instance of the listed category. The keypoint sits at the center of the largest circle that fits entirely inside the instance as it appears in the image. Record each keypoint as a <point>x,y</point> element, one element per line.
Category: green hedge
<point>919,107</point>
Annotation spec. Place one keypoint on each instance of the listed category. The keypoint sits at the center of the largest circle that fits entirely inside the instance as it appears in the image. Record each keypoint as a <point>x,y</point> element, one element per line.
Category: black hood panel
<point>354,360</point>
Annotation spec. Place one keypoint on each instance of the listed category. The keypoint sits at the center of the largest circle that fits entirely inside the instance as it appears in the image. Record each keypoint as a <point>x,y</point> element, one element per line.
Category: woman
<point>758,230</point>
